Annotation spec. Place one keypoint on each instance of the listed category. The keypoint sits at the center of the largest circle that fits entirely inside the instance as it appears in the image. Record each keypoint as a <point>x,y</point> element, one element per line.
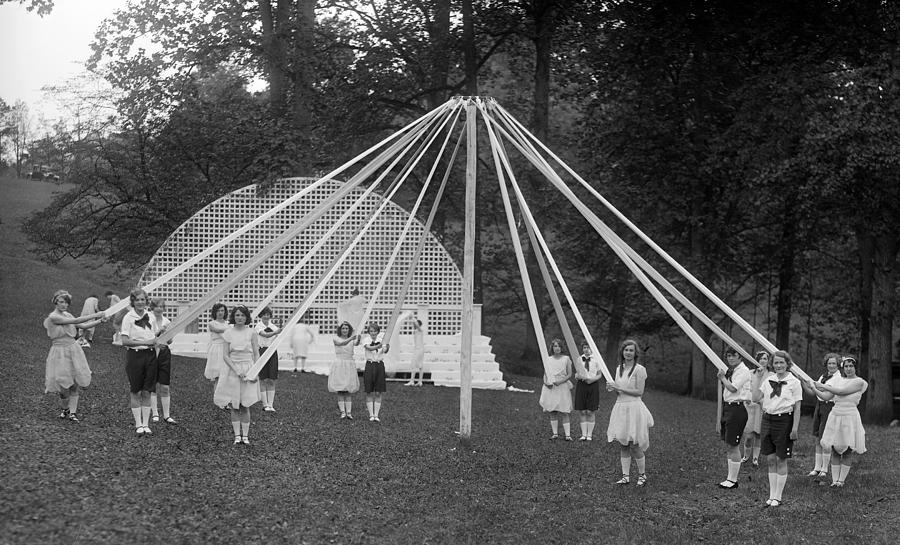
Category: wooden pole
<point>465,356</point>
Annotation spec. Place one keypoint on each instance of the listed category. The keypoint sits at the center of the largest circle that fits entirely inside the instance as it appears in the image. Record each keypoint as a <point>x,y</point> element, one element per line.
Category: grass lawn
<point>310,477</point>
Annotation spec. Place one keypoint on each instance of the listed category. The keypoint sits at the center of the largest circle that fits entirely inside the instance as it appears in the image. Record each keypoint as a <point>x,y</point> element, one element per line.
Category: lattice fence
<point>437,281</point>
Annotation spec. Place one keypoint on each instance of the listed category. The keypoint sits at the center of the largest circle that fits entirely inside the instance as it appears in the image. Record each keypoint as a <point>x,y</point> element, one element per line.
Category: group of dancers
<point>759,407</point>
<point>234,346</point>
<point>762,407</point>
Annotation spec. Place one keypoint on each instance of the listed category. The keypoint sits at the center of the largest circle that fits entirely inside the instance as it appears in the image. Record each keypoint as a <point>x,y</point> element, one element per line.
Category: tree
<point>20,133</point>
<point>150,181</point>
<point>42,7</point>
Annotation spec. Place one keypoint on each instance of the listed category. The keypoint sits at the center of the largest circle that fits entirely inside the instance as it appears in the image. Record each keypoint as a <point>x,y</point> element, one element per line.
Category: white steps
<point>441,357</point>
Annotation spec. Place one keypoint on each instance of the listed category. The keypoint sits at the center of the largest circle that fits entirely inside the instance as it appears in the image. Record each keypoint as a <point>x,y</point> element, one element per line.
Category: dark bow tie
<point>776,387</point>
<point>143,322</point>
<point>268,329</point>
<point>826,378</point>
<point>587,362</point>
<point>729,373</point>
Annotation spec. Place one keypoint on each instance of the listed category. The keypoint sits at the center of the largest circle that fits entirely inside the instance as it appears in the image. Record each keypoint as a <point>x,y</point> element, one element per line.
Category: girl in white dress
<point>831,376</point>
<point>342,378</point>
<point>556,395</point>
<point>233,390</point>
<point>630,420</point>
<point>67,368</point>
<point>215,354</point>
<point>301,337</point>
<point>418,356</point>
<point>844,433</point>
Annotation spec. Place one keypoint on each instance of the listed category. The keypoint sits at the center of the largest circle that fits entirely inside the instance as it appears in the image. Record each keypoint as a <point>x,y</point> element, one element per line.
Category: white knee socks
<point>641,465</point>
<point>136,412</point>
<point>626,464</point>
<point>845,470</point>
<point>73,403</point>
<point>734,469</point>
<point>780,481</point>
<point>590,429</point>
<point>166,403</point>
<point>153,408</point>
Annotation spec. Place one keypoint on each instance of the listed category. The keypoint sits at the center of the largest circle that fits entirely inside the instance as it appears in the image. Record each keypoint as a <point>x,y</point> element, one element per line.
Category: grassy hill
<point>310,477</point>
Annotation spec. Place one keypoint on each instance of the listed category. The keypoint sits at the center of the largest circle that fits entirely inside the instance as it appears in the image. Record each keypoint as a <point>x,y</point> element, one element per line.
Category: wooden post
<point>465,356</point>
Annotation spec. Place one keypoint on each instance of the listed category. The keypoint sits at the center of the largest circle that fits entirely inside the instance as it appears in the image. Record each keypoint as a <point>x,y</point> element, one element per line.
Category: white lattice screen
<point>437,281</point>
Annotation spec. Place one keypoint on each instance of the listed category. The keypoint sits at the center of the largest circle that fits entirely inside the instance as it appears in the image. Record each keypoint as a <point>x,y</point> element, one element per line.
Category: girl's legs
<point>302,363</point>
<point>591,418</point>
<point>781,469</point>
<point>134,399</point>
<point>341,404</point>
<point>64,402</point>
<point>567,427</point>
<point>625,459</point>
<point>772,462</point>
<point>154,406</point>
<point>145,411</point>
<point>641,462</point>
<point>377,405</point>
<point>584,425</point>
<point>554,424</point>
<point>264,393</point>
<point>733,459</point>
<point>756,442</point>
<point>236,424</point>
<point>165,399</point>
<point>821,461</point>
<point>370,405</point>
<point>244,417</point>
<point>348,404</point>
<point>840,466</point>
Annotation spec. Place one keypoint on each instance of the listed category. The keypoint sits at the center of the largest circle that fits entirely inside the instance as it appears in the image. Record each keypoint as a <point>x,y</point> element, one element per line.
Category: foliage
<point>41,7</point>
<point>139,181</point>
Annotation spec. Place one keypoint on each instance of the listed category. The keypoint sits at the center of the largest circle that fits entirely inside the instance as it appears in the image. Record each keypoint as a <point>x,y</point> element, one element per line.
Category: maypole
<point>465,356</point>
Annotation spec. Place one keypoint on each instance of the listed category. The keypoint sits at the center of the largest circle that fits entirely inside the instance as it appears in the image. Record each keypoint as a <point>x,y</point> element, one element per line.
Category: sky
<point>37,51</point>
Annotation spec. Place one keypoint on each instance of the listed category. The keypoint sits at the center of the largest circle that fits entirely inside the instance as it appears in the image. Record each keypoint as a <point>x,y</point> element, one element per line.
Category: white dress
<point>215,354</point>
<point>66,363</point>
<point>844,427</point>
<point>231,391</point>
<point>301,336</point>
<point>342,376</point>
<point>558,398</point>
<point>630,420</point>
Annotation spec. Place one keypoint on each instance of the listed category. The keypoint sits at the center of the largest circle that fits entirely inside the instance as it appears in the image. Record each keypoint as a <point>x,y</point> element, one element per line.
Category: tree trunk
<point>440,43</point>
<point>274,47</point>
<point>699,380</point>
<point>784,302</point>
<point>303,73</point>
<point>545,24</point>
<point>616,321</point>
<point>470,51</point>
<point>866,247</point>
<point>879,397</point>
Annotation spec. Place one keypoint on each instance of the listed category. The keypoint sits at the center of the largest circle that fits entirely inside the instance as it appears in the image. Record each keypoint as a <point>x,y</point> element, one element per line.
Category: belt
<point>137,349</point>
<point>740,402</point>
<point>374,361</point>
<point>781,414</point>
<point>828,402</point>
